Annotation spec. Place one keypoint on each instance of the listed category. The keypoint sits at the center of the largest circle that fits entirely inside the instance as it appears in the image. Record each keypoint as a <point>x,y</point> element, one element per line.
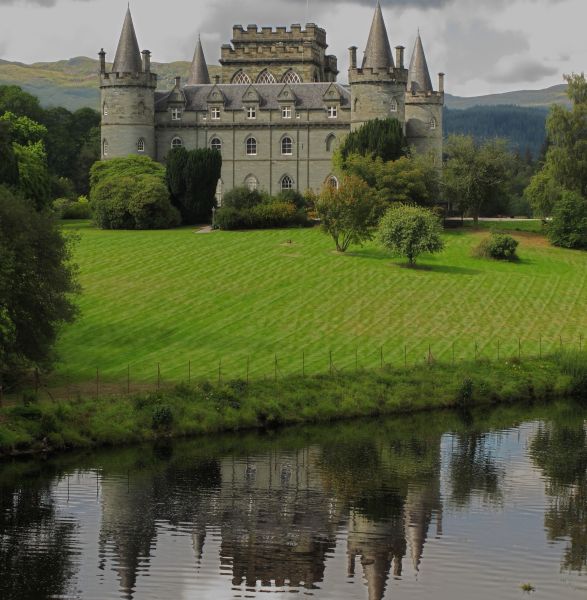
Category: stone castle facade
<point>276,112</point>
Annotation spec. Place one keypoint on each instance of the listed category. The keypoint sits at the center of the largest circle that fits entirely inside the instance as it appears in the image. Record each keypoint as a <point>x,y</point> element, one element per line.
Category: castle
<point>276,112</point>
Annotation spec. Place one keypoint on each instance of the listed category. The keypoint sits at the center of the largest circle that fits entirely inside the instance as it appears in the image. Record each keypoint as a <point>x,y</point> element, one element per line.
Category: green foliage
<point>162,418</point>
<point>568,227</point>
<point>347,213</point>
<point>133,202</point>
<point>36,284</point>
<point>543,192</point>
<point>72,209</point>
<point>378,138</point>
<point>292,197</point>
<point>410,231</point>
<point>24,130</point>
<point>266,213</point>
<point>498,246</point>
<point>475,174</point>
<point>14,99</point>
<point>34,176</point>
<point>409,180</point>
<point>465,392</point>
<point>192,178</point>
<point>242,198</point>
<point>125,167</point>
<point>8,160</point>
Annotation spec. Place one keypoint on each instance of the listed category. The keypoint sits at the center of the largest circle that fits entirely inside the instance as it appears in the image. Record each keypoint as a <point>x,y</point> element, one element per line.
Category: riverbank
<point>206,408</point>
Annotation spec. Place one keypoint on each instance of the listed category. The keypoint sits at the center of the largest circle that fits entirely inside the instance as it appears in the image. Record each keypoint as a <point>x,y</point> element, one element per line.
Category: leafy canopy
<point>409,231</point>
<point>348,213</point>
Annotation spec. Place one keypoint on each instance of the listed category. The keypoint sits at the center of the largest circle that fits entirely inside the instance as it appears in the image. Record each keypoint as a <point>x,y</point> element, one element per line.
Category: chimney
<point>216,79</point>
<point>178,82</point>
<point>441,83</point>
<point>399,56</point>
<point>146,61</point>
<point>102,56</point>
<point>353,57</point>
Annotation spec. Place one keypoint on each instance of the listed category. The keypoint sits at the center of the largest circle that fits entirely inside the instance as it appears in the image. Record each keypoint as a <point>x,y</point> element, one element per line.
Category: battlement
<point>368,75</point>
<point>425,98</point>
<point>128,80</point>
<point>270,35</point>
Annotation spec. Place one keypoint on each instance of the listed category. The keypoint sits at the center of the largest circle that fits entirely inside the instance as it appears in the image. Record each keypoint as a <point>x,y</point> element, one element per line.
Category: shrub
<point>68,209</point>
<point>242,198</point>
<point>568,228</point>
<point>292,197</point>
<point>497,246</point>
<point>162,418</point>
<point>267,214</point>
<point>409,231</point>
<point>133,202</point>
<point>465,392</point>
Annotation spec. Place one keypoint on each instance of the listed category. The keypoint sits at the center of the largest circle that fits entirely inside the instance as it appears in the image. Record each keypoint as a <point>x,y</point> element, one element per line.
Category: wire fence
<point>139,378</point>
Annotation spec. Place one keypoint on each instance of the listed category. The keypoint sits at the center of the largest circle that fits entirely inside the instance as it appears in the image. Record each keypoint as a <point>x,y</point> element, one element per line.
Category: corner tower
<point>127,99</point>
<point>378,87</point>
<point>424,107</point>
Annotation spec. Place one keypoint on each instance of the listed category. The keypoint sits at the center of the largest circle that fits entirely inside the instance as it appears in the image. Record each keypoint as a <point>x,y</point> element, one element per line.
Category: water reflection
<point>304,509</point>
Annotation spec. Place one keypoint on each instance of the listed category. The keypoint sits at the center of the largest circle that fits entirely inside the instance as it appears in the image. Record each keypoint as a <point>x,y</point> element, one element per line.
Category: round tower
<point>127,99</point>
<point>424,107</point>
<point>378,86</point>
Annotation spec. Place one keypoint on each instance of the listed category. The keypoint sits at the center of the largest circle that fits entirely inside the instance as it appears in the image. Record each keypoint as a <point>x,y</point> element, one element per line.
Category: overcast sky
<point>485,46</point>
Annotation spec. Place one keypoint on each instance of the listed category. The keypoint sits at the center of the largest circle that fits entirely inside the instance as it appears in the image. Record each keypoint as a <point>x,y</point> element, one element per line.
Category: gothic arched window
<point>393,107</point>
<point>291,77</point>
<point>176,142</point>
<point>330,142</point>
<point>105,147</point>
<point>241,78</point>
<point>251,146</point>
<point>141,145</point>
<point>287,183</point>
<point>266,77</point>
<point>252,183</point>
<point>286,146</point>
<point>433,123</point>
<point>216,144</point>
<point>332,182</point>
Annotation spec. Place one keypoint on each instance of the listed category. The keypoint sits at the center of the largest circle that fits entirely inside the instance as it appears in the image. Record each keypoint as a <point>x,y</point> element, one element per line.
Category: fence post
<point>560,337</point>
<point>248,366</point>
<point>405,356</point>
<point>381,358</point>
<point>475,351</point>
<point>498,349</point>
<point>429,354</point>
<point>540,346</point>
<point>453,353</point>
<point>158,376</point>
<point>189,372</point>
<point>275,367</point>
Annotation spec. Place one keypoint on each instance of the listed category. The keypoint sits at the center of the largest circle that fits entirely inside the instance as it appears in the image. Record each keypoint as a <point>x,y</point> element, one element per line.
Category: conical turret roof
<point>199,69</point>
<point>128,54</point>
<point>378,53</point>
<point>419,76</point>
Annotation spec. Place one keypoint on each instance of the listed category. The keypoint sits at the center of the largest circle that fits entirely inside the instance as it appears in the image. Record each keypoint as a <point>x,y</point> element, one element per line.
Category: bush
<point>242,198</point>
<point>68,209</point>
<point>497,246</point>
<point>162,418</point>
<point>241,213</point>
<point>568,228</point>
<point>133,202</point>
<point>292,197</point>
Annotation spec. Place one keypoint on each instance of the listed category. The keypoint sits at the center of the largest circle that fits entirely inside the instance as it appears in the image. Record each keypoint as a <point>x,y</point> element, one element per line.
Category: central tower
<point>378,86</point>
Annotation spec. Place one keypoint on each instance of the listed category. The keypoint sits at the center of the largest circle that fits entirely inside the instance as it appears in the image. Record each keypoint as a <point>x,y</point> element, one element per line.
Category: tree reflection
<point>560,451</point>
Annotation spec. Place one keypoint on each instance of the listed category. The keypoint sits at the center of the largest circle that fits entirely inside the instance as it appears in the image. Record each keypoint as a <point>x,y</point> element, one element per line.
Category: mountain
<point>73,84</point>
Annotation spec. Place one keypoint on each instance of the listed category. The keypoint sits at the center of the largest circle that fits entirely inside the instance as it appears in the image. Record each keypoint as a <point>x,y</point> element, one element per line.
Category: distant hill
<point>73,84</point>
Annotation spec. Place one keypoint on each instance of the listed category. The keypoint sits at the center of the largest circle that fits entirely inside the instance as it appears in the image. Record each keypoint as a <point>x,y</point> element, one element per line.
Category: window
<point>241,78</point>
<point>215,114</point>
<point>291,77</point>
<point>216,144</point>
<point>332,182</point>
<point>176,142</point>
<point>287,183</point>
<point>286,112</point>
<point>176,114</point>
<point>141,145</point>
<point>266,77</point>
<point>252,183</point>
<point>105,110</point>
<point>251,112</point>
<point>393,106</point>
<point>251,146</point>
<point>433,123</point>
<point>287,146</point>
<point>332,112</point>
<point>329,142</point>
<point>105,148</point>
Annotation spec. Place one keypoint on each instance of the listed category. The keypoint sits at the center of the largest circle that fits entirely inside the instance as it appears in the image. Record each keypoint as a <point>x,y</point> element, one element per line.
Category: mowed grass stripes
<point>225,299</point>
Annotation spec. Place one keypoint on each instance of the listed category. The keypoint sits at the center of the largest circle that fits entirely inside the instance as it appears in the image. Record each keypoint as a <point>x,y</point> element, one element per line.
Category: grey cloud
<point>44,3</point>
<point>525,70</point>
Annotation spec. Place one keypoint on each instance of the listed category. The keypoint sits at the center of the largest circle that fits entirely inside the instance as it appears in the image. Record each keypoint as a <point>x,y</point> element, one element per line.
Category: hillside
<point>73,84</point>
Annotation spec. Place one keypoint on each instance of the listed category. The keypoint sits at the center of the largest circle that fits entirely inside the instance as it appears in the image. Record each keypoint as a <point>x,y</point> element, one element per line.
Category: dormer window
<point>251,112</point>
<point>286,112</point>
<point>176,114</point>
<point>332,112</point>
<point>215,114</point>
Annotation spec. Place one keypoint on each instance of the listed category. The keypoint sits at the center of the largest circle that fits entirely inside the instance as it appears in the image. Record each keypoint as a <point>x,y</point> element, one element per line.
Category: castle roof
<point>307,95</point>
<point>128,54</point>
<point>378,53</point>
<point>419,76</point>
<point>199,69</point>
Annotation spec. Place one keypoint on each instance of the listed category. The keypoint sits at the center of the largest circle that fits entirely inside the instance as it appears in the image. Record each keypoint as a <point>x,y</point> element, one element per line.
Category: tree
<point>568,227</point>
<point>34,176</point>
<point>347,213</point>
<point>192,178</point>
<point>21,103</point>
<point>37,281</point>
<point>543,193</point>
<point>378,138</point>
<point>410,231</point>
<point>8,161</point>
<point>410,180</point>
<point>131,193</point>
<point>475,174</point>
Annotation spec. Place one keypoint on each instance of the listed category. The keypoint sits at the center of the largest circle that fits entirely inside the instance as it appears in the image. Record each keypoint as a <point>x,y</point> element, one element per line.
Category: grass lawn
<point>170,297</point>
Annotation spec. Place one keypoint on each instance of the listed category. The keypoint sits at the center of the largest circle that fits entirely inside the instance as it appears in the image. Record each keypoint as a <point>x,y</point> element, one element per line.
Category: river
<point>444,505</point>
